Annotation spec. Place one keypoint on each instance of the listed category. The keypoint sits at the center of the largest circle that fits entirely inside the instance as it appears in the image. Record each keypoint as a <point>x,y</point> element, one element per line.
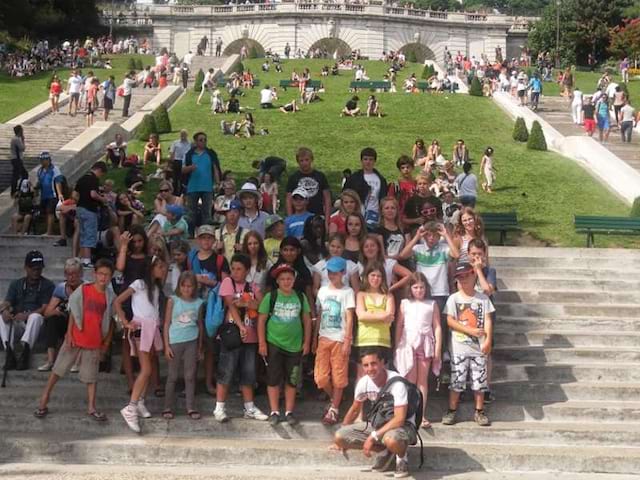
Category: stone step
<point>567,274</point>
<point>564,297</point>
<point>568,338</point>
<point>631,263</point>
<point>583,310</point>
<point>563,253</point>
<point>528,284</point>
<point>561,373</point>
<point>568,355</point>
<point>506,322</point>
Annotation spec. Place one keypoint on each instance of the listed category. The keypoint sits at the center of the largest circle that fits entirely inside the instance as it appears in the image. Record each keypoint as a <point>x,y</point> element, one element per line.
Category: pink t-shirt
<point>250,316</point>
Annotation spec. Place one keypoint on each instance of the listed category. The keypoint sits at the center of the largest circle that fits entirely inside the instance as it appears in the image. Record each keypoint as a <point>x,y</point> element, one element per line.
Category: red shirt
<point>94,303</point>
<point>339,221</point>
<point>56,88</point>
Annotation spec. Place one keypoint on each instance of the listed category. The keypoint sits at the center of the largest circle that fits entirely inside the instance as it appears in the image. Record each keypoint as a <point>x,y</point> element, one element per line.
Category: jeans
<point>125,105</point>
<point>205,208</point>
<point>88,227</point>
<point>626,129</point>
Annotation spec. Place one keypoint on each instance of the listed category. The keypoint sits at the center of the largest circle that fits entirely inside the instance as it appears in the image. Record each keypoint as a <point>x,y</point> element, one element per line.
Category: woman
<point>54,94</point>
<point>16,150</point>
<point>349,203</point>
<point>419,152</point>
<point>602,116</point>
<point>128,215</point>
<point>567,82</point>
<point>152,150</point>
<point>164,198</point>
<point>467,185</point>
<point>253,247</point>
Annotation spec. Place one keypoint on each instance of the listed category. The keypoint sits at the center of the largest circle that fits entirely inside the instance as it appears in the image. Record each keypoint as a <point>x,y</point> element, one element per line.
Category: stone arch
<point>332,45</point>
<point>255,49</point>
<point>421,51</point>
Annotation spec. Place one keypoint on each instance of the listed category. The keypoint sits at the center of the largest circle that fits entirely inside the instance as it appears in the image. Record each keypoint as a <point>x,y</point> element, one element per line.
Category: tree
<point>625,39</point>
<point>475,89</point>
<point>161,119</point>
<point>536,138</point>
<point>520,132</point>
<point>146,128</point>
<point>428,71</point>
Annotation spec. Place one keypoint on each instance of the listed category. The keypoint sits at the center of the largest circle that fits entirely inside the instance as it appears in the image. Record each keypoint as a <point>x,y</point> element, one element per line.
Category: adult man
<point>391,439</point>
<point>50,186</point>
<point>74,86</point>
<point>370,185</point>
<point>23,308</point>
<point>313,181</point>
<point>188,58</point>
<point>266,97</point>
<point>127,86</point>
<point>89,202</point>
<point>628,120</point>
<point>116,151</point>
<point>16,149</point>
<point>177,152</point>
<point>202,166</point>
<point>218,46</point>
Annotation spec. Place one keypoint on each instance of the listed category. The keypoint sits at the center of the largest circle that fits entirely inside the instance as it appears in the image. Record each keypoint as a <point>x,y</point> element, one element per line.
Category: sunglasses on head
<point>429,211</point>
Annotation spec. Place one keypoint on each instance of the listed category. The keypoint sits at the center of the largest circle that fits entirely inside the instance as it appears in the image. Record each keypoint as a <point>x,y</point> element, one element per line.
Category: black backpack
<point>274,298</point>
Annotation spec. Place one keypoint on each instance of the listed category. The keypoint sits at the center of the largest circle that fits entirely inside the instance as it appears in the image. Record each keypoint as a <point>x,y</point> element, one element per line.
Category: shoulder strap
<point>272,302</point>
<point>238,234</point>
<point>219,264</point>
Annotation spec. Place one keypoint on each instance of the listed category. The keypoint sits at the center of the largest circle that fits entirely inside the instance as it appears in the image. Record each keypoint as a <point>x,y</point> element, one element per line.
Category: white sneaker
<point>142,410</point>
<point>221,415</point>
<point>130,415</point>
<point>75,368</point>
<point>46,367</point>
<point>256,414</point>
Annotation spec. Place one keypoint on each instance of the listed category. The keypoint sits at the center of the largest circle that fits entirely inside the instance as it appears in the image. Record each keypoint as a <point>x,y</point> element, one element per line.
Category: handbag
<point>230,336</point>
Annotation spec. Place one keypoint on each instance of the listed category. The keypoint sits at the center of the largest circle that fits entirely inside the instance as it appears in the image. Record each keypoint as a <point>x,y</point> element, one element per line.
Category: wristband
<point>374,435</point>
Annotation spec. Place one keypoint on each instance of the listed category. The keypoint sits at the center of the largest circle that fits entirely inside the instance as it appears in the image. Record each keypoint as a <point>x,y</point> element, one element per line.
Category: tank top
<point>464,250</point>
<point>374,334</point>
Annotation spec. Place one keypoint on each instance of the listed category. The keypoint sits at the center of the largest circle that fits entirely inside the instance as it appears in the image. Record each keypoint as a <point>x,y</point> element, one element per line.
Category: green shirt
<point>284,326</point>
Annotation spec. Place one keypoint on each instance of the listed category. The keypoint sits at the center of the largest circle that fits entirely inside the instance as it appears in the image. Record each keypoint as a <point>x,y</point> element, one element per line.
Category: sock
<point>248,406</point>
<point>399,458</point>
<point>287,412</point>
<point>275,412</point>
<point>219,406</point>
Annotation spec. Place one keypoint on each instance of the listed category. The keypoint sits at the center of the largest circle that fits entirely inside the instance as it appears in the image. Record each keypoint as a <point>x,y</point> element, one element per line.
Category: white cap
<point>300,192</point>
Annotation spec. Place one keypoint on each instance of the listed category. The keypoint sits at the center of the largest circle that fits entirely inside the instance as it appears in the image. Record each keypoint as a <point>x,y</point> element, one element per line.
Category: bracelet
<point>374,435</point>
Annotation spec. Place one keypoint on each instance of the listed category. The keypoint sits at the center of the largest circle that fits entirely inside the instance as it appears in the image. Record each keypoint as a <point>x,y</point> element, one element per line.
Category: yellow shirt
<point>272,246</point>
<point>229,240</point>
<point>374,334</point>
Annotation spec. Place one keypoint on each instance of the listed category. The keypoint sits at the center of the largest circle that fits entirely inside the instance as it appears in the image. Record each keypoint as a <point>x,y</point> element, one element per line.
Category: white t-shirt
<point>389,265</point>
<point>366,389</point>
<point>140,304</point>
<point>332,304</point>
<point>577,97</point>
<point>266,95</point>
<point>180,149</point>
<point>628,113</point>
<point>321,269</point>
<point>372,203</point>
<point>75,84</point>
<point>611,89</point>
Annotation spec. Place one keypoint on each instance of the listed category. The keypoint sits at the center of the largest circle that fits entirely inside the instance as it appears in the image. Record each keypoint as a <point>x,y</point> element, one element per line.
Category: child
<point>252,217</point>
<point>469,226</point>
<point>336,306</point>
<point>450,209</point>
<point>152,150</point>
<point>88,337</point>
<point>274,227</point>
<point>373,107</point>
<point>320,272</point>
<point>393,237</point>
<point>356,233</point>
<point>222,201</point>
<point>179,251</point>
<point>176,227</point>
<point>294,223</point>
<point>230,235</point>
<point>460,153</point>
<point>269,192</point>
<point>349,203</point>
<point>183,342</point>
<point>404,189</point>
<point>253,247</point>
<point>346,173</point>
<point>242,300</point>
<point>469,316</point>
<point>419,338</point>
<point>486,167</point>
<point>418,152</point>
<point>283,340</point>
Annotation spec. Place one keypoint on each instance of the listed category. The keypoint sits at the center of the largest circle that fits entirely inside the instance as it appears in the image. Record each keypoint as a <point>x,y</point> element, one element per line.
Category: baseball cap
<point>205,230</point>
<point>463,269</point>
<point>235,205</point>
<point>176,210</point>
<point>282,268</point>
<point>34,259</point>
<point>271,221</point>
<point>336,264</point>
<point>301,192</point>
<point>44,155</point>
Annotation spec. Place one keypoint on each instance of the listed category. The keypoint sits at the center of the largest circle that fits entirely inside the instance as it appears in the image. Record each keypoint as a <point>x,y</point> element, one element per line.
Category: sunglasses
<point>429,211</point>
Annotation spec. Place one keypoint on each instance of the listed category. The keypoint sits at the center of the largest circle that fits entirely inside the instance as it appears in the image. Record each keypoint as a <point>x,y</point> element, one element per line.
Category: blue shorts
<point>88,228</point>
<point>603,122</point>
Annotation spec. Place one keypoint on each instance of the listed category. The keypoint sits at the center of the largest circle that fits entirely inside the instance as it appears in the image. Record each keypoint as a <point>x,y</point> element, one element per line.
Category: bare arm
<point>52,307</point>
<point>353,413</point>
<point>437,330</point>
<point>117,305</point>
<point>403,274</point>
<point>326,203</point>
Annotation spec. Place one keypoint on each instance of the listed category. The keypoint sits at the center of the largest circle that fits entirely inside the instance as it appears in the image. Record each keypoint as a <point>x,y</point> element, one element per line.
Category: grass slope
<point>545,189</point>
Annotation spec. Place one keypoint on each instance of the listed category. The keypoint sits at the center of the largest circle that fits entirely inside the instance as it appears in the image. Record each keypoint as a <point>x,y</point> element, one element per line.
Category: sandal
<point>98,416</point>
<point>426,424</point>
<point>167,415</point>
<point>159,392</point>
<point>194,414</point>
<point>41,412</point>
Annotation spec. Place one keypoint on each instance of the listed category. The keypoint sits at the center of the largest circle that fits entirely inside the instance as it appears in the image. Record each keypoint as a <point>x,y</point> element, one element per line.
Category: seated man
<point>266,97</point>
<point>116,151</point>
<point>23,308</point>
<point>390,439</point>
<point>351,108</point>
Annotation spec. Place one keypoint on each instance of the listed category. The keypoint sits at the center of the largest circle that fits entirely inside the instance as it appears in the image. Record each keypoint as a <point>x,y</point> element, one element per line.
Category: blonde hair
<point>356,198</point>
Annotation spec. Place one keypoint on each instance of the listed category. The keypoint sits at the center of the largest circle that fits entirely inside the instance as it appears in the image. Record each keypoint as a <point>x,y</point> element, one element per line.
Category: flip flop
<point>167,415</point>
<point>41,412</point>
<point>98,416</point>
<point>194,414</point>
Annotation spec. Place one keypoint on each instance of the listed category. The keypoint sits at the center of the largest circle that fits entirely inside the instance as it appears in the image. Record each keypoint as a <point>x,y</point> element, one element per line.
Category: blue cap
<point>176,210</point>
<point>235,205</point>
<point>336,264</point>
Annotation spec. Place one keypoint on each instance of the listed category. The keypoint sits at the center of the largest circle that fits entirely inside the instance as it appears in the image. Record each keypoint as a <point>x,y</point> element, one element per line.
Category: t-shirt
<point>201,179</point>
<point>47,177</point>
<point>60,292</point>
<point>75,84</point>
<point>184,320</point>
<point>94,303</point>
<point>249,317</point>
<point>467,185</point>
<point>332,304</point>
<point>181,224</point>
<point>284,326</point>
<point>628,113</point>
<point>294,224</point>
<point>255,223</point>
<point>351,105</point>
<point>314,184</point>
<point>140,304</point>
<point>88,183</point>
<point>339,221</point>
<point>266,95</point>
<point>470,312</point>
<point>367,390</point>
<point>272,246</point>
<point>433,264</point>
<point>588,110</point>
<point>27,297</point>
<point>393,240</point>
<point>179,149</point>
<point>372,203</point>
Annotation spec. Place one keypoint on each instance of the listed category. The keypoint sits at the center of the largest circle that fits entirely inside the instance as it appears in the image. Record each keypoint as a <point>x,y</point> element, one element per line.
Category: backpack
<point>381,411</point>
<point>214,315</point>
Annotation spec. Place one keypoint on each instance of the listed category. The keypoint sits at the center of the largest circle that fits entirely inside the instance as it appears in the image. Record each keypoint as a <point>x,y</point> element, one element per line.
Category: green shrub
<point>428,71</point>
<point>161,119</point>
<point>146,128</point>
<point>520,132</point>
<point>132,64</point>
<point>476,87</point>
<point>536,138</point>
<point>199,79</point>
<point>635,208</point>
<point>253,53</point>
<point>239,68</point>
<point>139,65</point>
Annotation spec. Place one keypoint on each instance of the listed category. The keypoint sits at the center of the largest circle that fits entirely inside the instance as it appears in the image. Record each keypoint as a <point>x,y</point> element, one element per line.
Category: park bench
<point>606,225</point>
<point>500,222</point>
<point>223,82</point>
<point>284,84</point>
<point>370,85</point>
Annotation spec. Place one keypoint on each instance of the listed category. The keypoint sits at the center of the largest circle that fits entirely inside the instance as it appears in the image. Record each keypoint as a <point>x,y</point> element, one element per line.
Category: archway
<point>254,49</point>
<point>417,52</point>
<point>332,45</point>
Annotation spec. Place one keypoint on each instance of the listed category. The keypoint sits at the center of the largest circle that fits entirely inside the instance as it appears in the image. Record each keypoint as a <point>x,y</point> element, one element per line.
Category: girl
<point>336,249</point>
<point>419,152</point>
<point>486,166</point>
<point>274,233</point>
<point>127,215</point>
<point>313,245</point>
<point>393,236</point>
<point>183,341</point>
<point>152,150</point>
<point>217,106</point>
<point>253,247</point>
<point>433,152</point>
<point>356,232</point>
<point>269,192</point>
<point>602,116</point>
<point>419,338</point>
<point>143,332</point>
<point>179,253</point>
<point>422,205</point>
<point>469,226</point>
<point>375,309</point>
<point>373,253</point>
<point>349,203</point>
<point>373,107</point>
<point>54,94</point>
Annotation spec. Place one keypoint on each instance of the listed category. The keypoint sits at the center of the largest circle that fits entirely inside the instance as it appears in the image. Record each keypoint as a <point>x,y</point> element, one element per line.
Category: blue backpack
<point>215,311</point>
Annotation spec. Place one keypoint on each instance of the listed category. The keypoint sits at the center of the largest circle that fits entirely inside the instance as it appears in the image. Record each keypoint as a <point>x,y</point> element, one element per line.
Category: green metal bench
<point>500,222</point>
<point>606,225</point>
<point>291,83</point>
<point>370,85</point>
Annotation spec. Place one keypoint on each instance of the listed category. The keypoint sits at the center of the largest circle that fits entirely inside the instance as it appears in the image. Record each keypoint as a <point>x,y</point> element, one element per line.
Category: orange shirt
<point>94,303</point>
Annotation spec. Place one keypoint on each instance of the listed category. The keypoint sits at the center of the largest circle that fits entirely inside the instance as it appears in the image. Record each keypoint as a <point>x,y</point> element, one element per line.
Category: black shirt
<point>88,183</point>
<point>303,277</point>
<point>588,110</point>
<point>314,184</point>
<point>393,240</point>
<point>210,265</point>
<point>351,105</point>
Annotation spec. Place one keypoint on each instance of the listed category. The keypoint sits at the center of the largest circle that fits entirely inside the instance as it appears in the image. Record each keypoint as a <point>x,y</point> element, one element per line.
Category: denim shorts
<point>241,359</point>
<point>88,227</point>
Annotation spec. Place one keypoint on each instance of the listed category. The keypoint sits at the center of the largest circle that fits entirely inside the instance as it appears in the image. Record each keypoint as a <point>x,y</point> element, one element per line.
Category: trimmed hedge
<point>412,57</point>
<point>536,138</point>
<point>428,71</point>
<point>199,79</point>
<point>520,132</point>
<point>476,87</point>
<point>139,65</point>
<point>161,119</point>
<point>146,128</point>
<point>132,64</point>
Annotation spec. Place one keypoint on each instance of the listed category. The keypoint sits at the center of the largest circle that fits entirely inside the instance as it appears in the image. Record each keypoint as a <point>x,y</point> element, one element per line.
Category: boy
<point>252,217</point>
<point>336,306</point>
<point>370,185</point>
<point>274,227</point>
<point>313,182</point>
<point>242,300</point>
<point>404,189</point>
<point>469,317</point>
<point>176,227</point>
<point>283,340</point>
<point>294,223</point>
<point>230,235</point>
<point>88,337</point>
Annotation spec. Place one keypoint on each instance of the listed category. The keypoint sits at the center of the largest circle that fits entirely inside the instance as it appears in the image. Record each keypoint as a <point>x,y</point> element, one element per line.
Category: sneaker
<point>481,419</point>
<point>385,462</point>
<point>290,419</point>
<point>488,397</point>
<point>142,409</point>
<point>255,414</point>
<point>75,368</point>
<point>221,415</point>
<point>330,417</point>
<point>61,243</point>
<point>449,418</point>
<point>130,415</point>
<point>274,419</point>
<point>402,469</point>
<point>46,367</point>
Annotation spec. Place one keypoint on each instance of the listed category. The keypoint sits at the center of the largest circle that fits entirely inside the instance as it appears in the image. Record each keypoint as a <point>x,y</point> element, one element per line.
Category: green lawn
<point>544,188</point>
<point>17,95</point>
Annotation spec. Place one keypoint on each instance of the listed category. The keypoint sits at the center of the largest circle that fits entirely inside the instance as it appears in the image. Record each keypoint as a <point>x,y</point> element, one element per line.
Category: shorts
<point>88,227</point>
<point>243,359</point>
<point>603,122</point>
<point>74,96</point>
<point>54,95</point>
<point>107,104</point>
<point>468,201</point>
<point>464,365</point>
<point>356,434</point>
<point>521,93</point>
<point>332,366</point>
<point>89,363</point>
<point>48,205</point>
<point>589,125</point>
<point>282,365</point>
<point>90,108</point>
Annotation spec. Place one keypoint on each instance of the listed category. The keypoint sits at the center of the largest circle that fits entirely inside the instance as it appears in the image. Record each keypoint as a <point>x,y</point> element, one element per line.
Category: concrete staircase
<point>204,63</point>
<point>566,377</point>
